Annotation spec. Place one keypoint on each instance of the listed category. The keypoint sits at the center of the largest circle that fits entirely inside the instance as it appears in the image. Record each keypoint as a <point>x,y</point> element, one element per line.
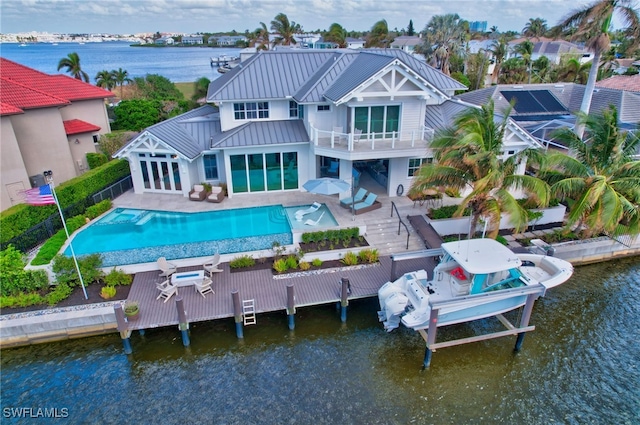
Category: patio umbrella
<point>329,186</point>
<point>326,186</point>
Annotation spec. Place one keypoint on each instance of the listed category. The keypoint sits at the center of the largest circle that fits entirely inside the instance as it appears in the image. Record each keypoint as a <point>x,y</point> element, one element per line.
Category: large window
<point>379,120</point>
<point>416,163</point>
<point>260,172</point>
<point>251,110</point>
<point>210,167</point>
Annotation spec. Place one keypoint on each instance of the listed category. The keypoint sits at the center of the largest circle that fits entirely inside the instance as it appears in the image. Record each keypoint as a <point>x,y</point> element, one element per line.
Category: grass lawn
<point>187,89</point>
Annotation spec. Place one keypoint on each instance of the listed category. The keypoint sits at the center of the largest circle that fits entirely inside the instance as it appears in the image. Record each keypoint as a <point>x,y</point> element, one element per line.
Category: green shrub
<point>303,265</point>
<point>21,300</point>
<point>108,292</point>
<point>117,277</point>
<point>98,209</point>
<point>14,279</point>
<point>292,261</point>
<point>350,259</point>
<point>96,159</point>
<point>368,256</point>
<point>280,265</point>
<point>53,245</point>
<point>61,292</point>
<point>446,212</point>
<point>65,269</point>
<point>502,240</point>
<point>241,262</point>
<point>316,262</point>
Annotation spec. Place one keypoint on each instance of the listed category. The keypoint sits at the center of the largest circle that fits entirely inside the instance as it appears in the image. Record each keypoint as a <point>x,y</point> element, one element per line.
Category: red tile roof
<point>26,88</point>
<point>621,82</point>
<point>79,126</point>
<point>6,109</point>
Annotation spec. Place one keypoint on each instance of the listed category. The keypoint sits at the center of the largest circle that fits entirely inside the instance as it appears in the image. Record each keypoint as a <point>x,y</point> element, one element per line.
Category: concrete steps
<point>383,234</point>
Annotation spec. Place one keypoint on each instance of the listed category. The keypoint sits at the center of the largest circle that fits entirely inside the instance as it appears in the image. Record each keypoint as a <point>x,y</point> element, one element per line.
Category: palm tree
<point>573,71</point>
<point>286,30</point>
<point>535,28</point>
<point>525,50</point>
<point>201,86</point>
<point>591,24</point>
<point>262,37</point>
<point>337,34</point>
<point>72,66</point>
<point>379,35</point>
<point>105,79</point>
<point>499,49</point>
<point>468,157</point>
<point>121,77</point>
<point>602,181</point>
<point>444,35</point>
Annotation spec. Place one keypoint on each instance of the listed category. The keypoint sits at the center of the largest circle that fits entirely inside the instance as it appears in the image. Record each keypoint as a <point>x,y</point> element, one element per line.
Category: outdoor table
<point>187,278</point>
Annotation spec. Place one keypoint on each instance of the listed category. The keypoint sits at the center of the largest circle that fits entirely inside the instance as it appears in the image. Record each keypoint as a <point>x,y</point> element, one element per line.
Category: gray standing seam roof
<point>260,133</point>
<point>278,74</point>
<point>173,132</point>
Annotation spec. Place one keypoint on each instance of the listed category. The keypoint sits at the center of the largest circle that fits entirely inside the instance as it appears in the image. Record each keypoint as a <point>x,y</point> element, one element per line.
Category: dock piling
<point>291,307</point>
<point>524,322</point>
<point>123,328</point>
<point>183,323</point>
<point>237,312</point>
<point>344,299</point>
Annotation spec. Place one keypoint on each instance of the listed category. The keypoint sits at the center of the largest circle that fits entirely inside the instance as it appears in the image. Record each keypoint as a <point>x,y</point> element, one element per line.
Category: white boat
<point>475,279</point>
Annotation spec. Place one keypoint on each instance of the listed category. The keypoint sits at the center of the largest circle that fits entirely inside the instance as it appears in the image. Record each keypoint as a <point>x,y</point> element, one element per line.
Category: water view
<point>178,64</point>
<point>579,366</point>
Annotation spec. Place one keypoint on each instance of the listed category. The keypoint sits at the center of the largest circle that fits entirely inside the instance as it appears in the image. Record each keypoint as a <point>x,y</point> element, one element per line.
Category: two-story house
<point>284,117</point>
<point>47,122</point>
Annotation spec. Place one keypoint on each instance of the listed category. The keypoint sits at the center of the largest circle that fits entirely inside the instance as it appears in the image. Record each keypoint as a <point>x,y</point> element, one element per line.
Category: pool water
<point>323,217</point>
<point>130,236</point>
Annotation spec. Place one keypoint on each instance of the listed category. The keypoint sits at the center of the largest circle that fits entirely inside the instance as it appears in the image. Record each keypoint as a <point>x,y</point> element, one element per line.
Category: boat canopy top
<point>482,256</point>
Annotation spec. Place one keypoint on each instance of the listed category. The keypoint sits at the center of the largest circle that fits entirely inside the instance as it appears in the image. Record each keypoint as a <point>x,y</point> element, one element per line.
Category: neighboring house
<point>192,39</point>
<point>229,40</point>
<point>165,41</point>
<point>542,108</point>
<point>621,82</point>
<point>48,122</point>
<point>554,50</point>
<point>284,117</point>
<point>407,43</point>
<point>354,43</point>
<point>325,44</point>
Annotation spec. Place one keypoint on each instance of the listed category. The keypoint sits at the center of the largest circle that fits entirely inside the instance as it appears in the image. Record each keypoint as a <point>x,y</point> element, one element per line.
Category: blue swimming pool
<point>131,236</point>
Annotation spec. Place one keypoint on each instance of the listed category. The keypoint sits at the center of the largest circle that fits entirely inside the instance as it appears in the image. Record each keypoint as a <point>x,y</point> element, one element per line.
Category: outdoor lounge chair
<point>313,208</point>
<point>204,287</point>
<point>334,168</point>
<point>370,203</point>
<point>359,197</point>
<point>167,293</point>
<point>216,195</point>
<point>211,266</point>
<point>166,267</point>
<point>163,285</point>
<point>198,193</point>
<point>310,222</point>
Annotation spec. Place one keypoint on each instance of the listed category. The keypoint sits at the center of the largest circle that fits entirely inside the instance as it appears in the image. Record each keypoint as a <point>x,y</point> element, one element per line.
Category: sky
<point>193,16</point>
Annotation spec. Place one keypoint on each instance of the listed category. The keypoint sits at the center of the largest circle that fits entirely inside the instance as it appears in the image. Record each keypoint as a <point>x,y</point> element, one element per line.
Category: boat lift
<point>429,333</point>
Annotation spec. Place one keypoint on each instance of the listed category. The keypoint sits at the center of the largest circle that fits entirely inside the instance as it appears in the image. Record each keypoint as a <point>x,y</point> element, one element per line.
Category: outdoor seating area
<point>313,208</point>
<point>216,195</point>
<point>198,193</point>
<point>199,279</point>
<point>361,202</point>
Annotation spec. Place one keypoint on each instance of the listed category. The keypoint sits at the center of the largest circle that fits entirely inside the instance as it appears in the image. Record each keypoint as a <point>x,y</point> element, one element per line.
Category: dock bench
<point>428,234</point>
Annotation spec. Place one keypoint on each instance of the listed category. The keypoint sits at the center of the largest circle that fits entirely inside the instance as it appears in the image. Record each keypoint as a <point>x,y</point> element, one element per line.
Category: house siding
<point>13,167</point>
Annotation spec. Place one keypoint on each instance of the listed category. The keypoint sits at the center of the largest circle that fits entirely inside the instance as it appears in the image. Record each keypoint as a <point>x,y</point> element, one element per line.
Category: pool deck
<point>269,291</point>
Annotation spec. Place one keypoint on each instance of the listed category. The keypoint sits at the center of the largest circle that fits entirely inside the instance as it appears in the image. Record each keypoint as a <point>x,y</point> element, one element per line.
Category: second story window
<point>251,110</point>
<point>293,109</point>
<point>323,108</point>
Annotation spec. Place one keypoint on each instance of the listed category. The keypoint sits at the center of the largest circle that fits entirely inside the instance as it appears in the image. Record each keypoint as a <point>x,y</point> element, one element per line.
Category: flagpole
<point>49,176</point>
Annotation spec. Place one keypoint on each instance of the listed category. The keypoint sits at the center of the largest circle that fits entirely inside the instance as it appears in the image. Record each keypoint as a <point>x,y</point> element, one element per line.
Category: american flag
<point>40,196</point>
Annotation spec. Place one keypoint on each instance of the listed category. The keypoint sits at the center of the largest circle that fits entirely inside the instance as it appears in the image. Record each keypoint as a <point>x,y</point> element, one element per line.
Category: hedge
<point>20,218</point>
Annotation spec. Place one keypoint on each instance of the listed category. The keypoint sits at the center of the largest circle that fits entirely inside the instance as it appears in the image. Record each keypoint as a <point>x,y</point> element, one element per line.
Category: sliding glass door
<point>377,121</point>
<point>264,172</point>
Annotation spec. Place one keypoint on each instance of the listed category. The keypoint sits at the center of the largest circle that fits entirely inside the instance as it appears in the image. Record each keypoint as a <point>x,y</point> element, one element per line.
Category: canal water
<point>581,365</point>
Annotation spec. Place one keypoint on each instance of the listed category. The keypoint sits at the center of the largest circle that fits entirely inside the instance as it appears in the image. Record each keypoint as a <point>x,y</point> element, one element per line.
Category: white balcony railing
<point>372,141</point>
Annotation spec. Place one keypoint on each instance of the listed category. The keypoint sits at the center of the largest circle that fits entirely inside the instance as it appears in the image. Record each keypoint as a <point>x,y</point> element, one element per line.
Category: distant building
<point>165,41</point>
<point>552,49</point>
<point>193,39</point>
<point>478,26</point>
<point>408,43</point>
<point>228,40</point>
<point>355,43</point>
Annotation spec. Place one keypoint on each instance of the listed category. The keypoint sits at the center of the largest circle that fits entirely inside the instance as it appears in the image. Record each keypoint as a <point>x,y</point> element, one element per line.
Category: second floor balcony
<point>361,144</point>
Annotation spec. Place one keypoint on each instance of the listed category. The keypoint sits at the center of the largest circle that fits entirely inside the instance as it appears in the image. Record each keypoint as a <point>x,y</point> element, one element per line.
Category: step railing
<point>400,222</point>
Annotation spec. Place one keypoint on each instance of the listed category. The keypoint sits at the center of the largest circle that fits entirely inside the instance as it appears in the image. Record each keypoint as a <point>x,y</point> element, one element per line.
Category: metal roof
<point>261,133</point>
<point>182,133</point>
<point>310,75</point>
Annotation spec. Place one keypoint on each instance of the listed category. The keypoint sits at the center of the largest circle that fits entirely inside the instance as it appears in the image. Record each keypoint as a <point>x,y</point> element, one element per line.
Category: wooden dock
<point>269,292</point>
